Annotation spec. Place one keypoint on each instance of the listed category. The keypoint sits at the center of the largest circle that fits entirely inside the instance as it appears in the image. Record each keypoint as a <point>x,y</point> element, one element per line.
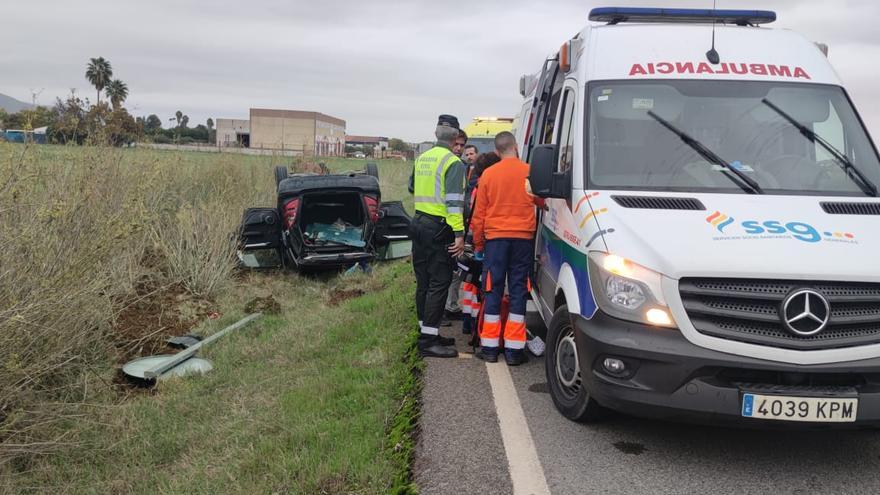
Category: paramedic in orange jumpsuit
<point>504,227</point>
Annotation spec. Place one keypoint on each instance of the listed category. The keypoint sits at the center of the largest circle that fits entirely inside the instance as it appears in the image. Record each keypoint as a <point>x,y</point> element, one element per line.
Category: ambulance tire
<point>567,389</point>
<point>372,169</point>
<point>280,174</point>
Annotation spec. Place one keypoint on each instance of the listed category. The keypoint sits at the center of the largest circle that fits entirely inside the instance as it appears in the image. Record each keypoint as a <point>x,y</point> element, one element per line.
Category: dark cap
<point>448,121</point>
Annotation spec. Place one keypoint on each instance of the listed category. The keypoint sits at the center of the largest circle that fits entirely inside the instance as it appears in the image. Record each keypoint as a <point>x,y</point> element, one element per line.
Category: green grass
<point>317,399</point>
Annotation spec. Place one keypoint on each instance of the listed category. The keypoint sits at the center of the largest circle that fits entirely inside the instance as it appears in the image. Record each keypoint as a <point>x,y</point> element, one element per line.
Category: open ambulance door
<point>539,130</point>
<point>559,128</point>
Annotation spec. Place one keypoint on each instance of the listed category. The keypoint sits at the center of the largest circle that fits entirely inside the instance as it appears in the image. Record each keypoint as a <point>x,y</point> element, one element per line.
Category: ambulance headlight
<point>624,293</point>
<point>628,291</point>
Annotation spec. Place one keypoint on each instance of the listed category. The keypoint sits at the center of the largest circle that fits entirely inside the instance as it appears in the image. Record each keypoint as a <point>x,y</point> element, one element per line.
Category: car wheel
<point>280,174</point>
<point>372,169</point>
<point>564,369</point>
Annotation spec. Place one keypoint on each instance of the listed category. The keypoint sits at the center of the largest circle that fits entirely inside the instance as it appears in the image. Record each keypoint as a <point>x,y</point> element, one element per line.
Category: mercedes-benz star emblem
<point>805,312</point>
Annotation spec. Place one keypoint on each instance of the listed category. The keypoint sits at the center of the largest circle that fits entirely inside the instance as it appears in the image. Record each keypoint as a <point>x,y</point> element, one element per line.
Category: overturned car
<point>324,221</point>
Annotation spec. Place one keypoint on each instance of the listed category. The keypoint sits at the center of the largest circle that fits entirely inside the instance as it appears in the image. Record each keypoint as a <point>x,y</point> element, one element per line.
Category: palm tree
<point>117,91</point>
<point>99,72</point>
<point>210,125</point>
<point>179,116</point>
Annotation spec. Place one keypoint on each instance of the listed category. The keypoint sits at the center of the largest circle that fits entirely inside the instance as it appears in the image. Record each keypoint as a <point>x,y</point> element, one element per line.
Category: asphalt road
<point>460,449</point>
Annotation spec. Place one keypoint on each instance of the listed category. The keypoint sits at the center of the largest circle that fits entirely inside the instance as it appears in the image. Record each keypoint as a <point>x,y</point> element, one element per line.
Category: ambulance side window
<point>566,132</point>
<point>551,111</point>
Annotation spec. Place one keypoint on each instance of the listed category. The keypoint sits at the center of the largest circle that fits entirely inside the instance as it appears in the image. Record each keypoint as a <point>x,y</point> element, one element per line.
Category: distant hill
<point>11,105</point>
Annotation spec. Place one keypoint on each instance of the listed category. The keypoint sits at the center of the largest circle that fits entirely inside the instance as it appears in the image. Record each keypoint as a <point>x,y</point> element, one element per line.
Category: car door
<point>260,238</point>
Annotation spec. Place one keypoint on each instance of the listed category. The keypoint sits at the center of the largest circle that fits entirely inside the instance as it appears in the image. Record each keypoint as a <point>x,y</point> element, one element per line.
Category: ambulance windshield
<point>483,144</point>
<point>630,149</point>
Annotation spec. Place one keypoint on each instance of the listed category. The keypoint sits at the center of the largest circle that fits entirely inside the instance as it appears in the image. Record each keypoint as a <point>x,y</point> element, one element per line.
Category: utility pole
<point>33,110</point>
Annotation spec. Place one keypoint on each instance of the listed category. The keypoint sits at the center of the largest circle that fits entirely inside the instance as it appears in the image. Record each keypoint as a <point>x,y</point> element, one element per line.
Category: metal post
<point>191,351</point>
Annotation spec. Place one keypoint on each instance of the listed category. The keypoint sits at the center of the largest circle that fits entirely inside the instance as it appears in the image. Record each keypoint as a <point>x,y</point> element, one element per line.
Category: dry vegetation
<point>88,234</point>
<point>105,253</point>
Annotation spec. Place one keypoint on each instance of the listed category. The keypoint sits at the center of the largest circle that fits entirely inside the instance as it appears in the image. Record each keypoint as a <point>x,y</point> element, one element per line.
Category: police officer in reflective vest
<point>437,232</point>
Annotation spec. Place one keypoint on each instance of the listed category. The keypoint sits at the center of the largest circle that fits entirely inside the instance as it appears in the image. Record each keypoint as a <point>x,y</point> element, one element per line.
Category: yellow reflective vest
<point>438,186</point>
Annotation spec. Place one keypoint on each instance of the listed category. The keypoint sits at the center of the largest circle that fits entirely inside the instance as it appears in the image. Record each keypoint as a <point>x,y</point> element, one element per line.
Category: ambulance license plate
<point>812,409</point>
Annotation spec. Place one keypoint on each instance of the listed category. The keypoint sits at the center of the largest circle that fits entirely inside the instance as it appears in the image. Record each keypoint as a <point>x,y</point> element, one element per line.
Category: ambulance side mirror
<point>544,180</point>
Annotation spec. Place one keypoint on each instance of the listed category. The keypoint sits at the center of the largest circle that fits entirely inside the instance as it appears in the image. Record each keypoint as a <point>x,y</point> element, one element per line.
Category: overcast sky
<point>387,68</point>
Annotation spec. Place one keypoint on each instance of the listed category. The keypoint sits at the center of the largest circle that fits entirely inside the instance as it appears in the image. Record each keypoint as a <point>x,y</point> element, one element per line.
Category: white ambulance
<point>711,246</point>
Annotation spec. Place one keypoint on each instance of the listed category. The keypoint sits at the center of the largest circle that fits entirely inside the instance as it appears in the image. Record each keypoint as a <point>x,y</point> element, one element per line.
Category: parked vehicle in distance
<point>709,252</point>
<point>359,154</point>
<point>323,221</point>
<point>481,131</point>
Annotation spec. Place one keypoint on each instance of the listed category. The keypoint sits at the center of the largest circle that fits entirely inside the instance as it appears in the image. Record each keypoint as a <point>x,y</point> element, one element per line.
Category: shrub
<point>77,225</point>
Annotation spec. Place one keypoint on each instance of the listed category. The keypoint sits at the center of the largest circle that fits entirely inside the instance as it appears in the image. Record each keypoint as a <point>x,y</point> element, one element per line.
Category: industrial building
<point>306,133</point>
<point>378,144</point>
<point>234,132</point>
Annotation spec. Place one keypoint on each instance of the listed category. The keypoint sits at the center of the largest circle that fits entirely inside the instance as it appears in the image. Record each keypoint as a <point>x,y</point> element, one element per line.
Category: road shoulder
<point>459,449</point>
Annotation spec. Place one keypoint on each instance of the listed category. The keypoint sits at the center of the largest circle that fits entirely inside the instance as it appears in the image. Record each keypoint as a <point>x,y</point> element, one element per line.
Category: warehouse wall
<point>282,129</point>
<point>228,130</point>
<point>307,132</point>
<point>329,138</point>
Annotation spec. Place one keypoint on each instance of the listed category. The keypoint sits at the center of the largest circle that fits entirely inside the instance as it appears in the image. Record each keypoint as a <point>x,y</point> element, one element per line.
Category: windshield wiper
<point>742,180</point>
<point>849,168</point>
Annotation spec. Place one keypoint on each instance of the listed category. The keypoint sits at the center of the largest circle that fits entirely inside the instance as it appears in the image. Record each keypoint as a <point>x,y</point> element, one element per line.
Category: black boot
<point>430,346</point>
<point>443,340</point>
<point>515,357</point>
<point>488,354</point>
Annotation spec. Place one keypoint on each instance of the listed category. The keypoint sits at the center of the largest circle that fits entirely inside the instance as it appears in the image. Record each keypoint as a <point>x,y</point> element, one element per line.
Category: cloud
<point>386,67</point>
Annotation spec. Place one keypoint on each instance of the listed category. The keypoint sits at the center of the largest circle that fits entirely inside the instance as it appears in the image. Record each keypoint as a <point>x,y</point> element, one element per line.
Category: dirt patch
<point>266,305</point>
<point>147,321</point>
<point>338,296</point>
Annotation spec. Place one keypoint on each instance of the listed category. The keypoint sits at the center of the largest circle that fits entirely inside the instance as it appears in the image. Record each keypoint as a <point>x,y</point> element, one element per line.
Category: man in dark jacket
<point>437,232</point>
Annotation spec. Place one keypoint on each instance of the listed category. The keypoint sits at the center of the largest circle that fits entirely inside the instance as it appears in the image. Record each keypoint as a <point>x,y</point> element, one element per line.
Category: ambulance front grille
<point>748,310</point>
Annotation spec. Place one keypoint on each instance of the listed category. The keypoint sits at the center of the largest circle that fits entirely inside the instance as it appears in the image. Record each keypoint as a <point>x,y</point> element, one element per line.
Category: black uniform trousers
<point>431,236</point>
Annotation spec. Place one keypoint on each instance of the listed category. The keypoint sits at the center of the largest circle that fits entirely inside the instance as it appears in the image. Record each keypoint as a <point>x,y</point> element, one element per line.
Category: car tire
<point>567,389</point>
<point>372,169</point>
<point>280,174</point>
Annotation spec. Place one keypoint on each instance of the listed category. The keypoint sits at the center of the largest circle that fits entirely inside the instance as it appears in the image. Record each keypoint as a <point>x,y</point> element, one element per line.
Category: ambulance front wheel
<point>563,369</point>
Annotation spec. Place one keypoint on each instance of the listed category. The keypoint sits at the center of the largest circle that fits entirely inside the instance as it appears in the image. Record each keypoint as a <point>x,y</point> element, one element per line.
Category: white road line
<point>526,473</point>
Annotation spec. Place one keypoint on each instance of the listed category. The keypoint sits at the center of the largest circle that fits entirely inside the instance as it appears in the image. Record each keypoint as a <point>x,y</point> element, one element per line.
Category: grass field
<point>107,251</point>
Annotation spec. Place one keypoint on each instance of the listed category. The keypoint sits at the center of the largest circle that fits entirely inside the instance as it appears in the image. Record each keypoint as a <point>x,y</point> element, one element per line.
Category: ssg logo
<point>719,220</point>
<point>773,229</point>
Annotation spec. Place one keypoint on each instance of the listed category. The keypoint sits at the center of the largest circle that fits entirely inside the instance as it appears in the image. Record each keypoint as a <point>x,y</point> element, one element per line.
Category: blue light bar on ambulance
<point>614,15</point>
